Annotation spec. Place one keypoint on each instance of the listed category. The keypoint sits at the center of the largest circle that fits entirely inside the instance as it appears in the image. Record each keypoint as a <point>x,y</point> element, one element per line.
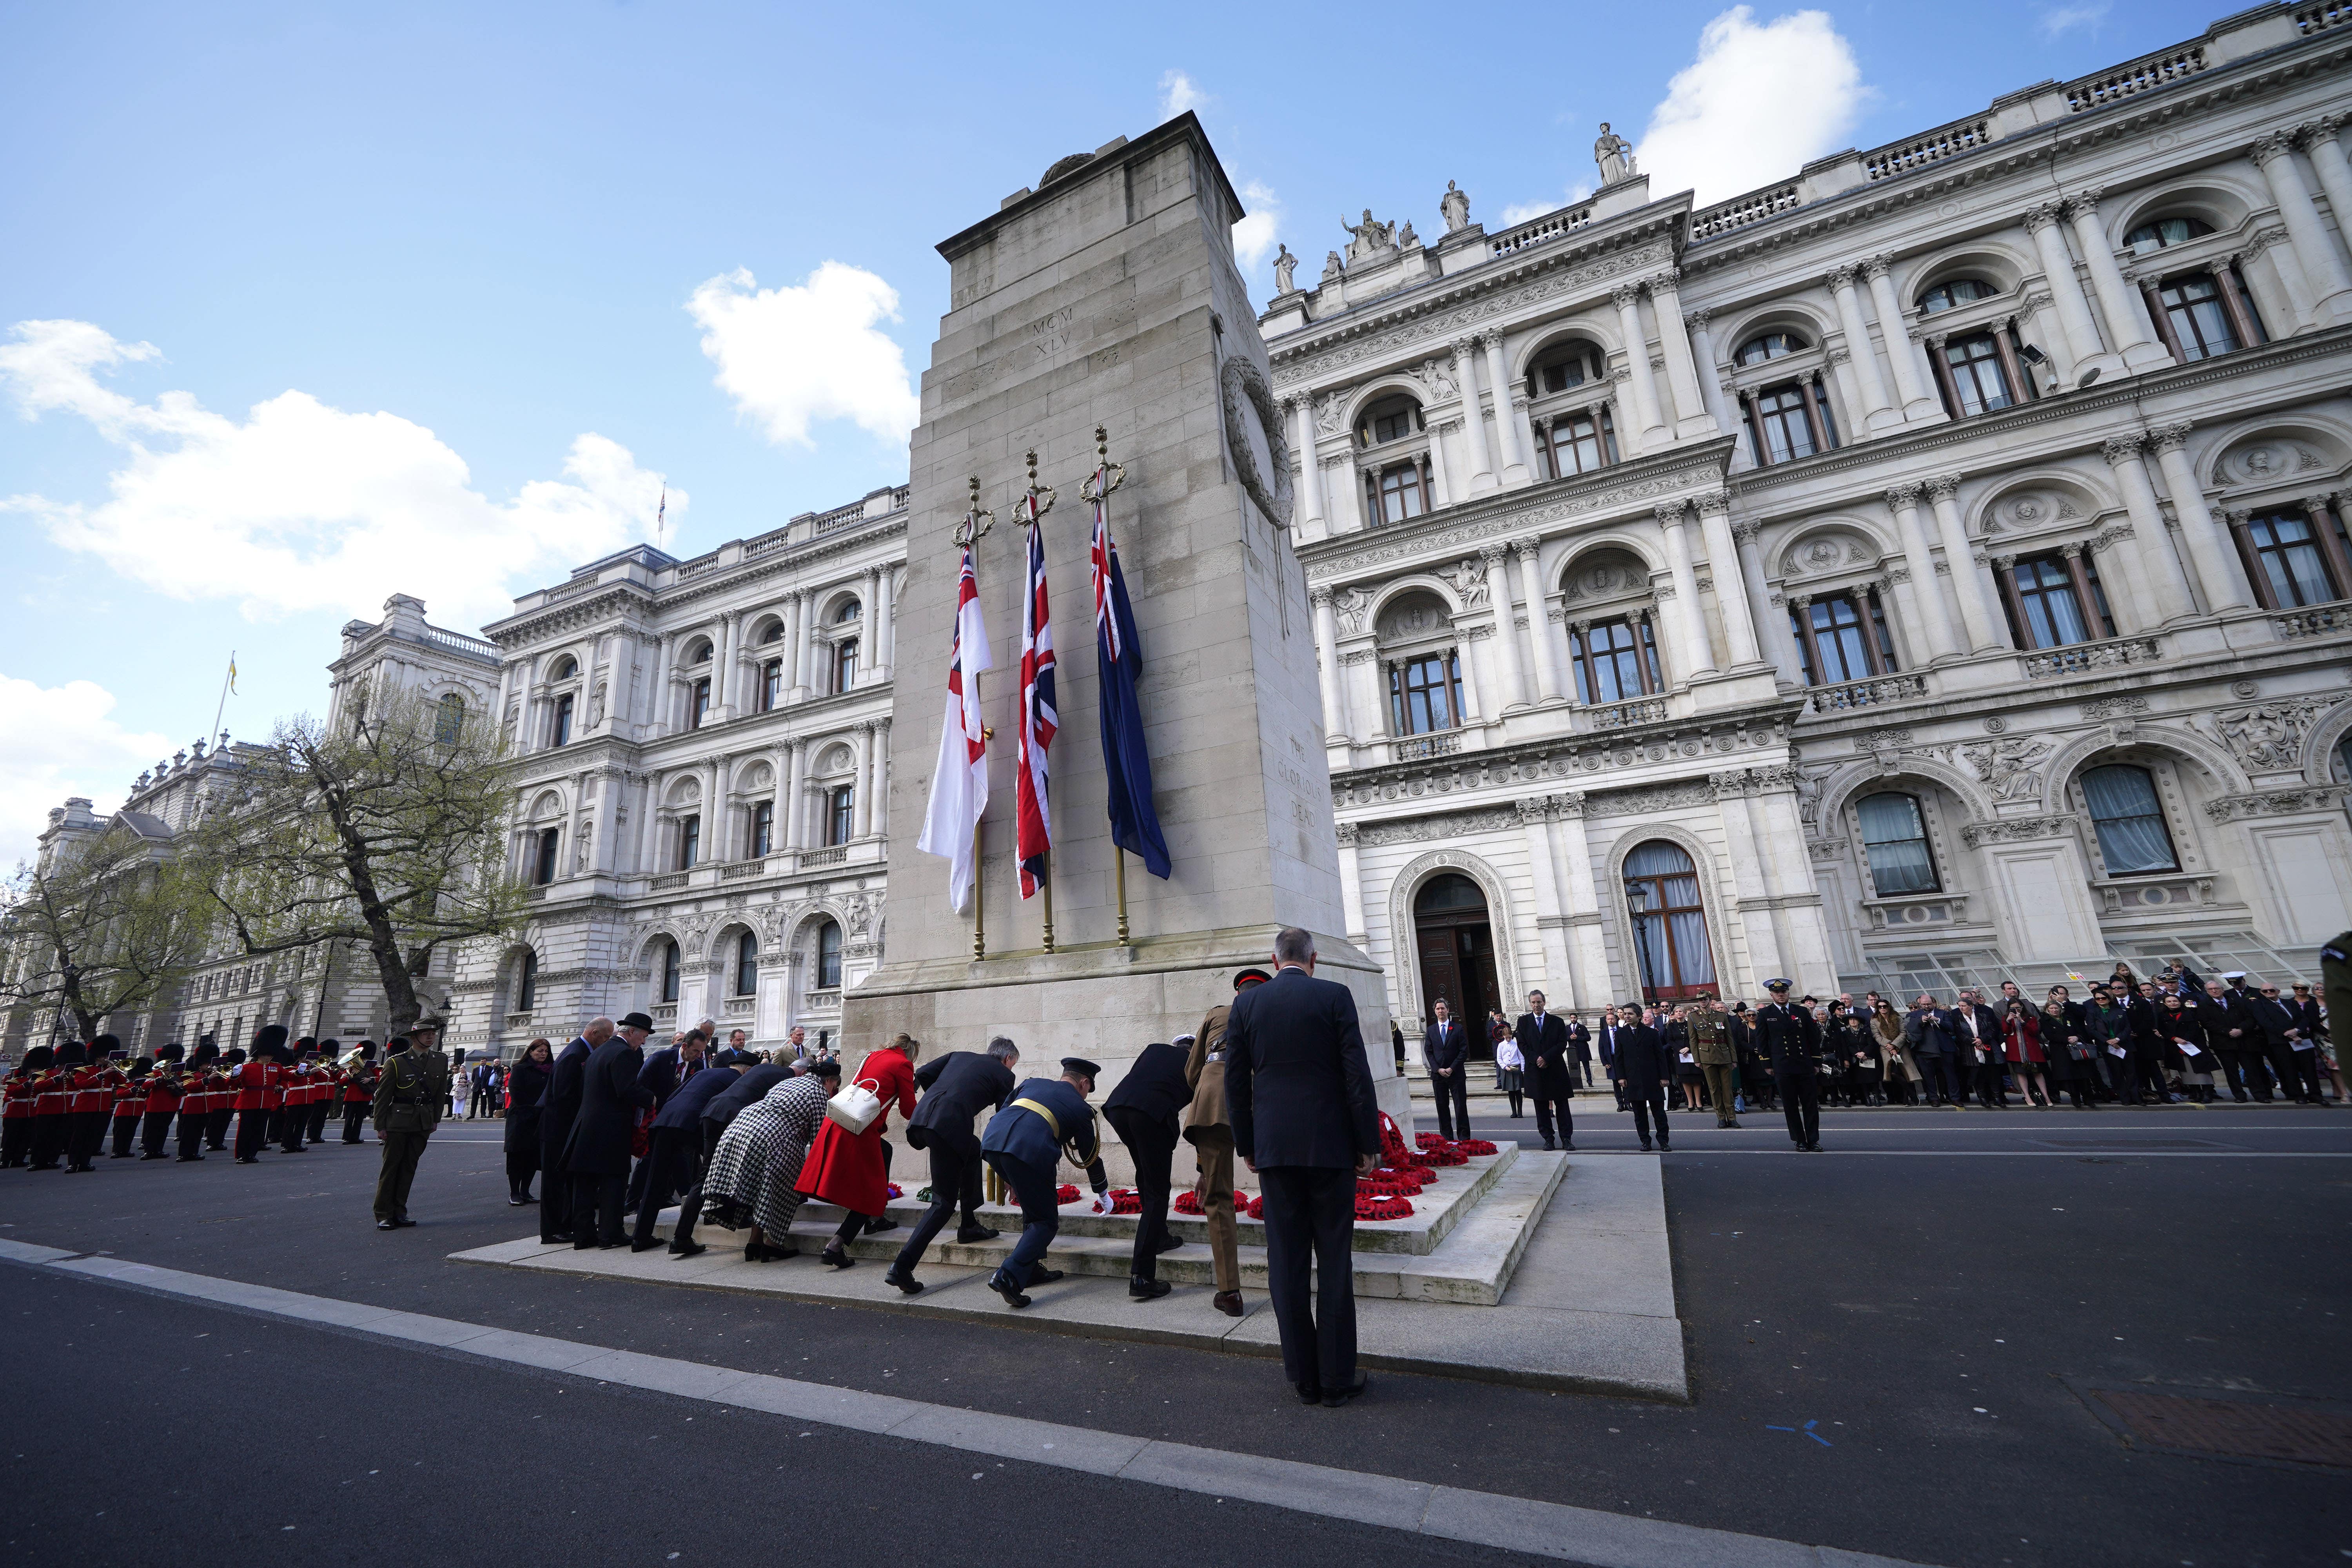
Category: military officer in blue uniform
<point>1024,1143</point>
<point>1788,1035</point>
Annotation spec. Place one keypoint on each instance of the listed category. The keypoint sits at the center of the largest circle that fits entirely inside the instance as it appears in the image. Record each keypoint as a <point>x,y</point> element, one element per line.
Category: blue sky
<point>303,305</point>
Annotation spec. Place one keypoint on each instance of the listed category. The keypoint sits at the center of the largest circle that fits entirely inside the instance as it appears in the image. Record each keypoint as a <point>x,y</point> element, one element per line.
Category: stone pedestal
<point>1109,297</point>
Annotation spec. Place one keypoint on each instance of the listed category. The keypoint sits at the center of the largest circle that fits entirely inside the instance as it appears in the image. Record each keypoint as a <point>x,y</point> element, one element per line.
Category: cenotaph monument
<point>1109,297</point>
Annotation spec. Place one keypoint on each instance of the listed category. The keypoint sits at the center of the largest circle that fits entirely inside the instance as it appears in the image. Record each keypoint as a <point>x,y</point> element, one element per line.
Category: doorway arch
<point>1453,941</point>
<point>1668,913</point>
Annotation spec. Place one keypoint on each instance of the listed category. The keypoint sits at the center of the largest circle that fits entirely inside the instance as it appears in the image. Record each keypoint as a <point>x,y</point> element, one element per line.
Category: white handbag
<point>854,1109</point>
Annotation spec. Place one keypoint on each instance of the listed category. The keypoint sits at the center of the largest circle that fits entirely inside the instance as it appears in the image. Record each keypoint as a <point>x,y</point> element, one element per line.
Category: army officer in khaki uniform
<point>1211,1132</point>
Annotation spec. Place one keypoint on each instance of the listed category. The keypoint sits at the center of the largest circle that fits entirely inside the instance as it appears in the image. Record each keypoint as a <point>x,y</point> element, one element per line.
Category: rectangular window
<point>1576,443</point>
<point>543,867</point>
<point>1787,432</point>
<point>698,703</point>
<point>669,971</point>
<point>689,843</point>
<point>845,665</point>
<point>2046,599</point>
<point>1425,694</point>
<point>1400,493</point>
<point>1977,379</point>
<point>772,685</point>
<point>2193,304</point>
<point>763,827</point>
<point>1615,661</point>
<point>1895,840</point>
<point>1839,637</point>
<point>562,733</point>
<point>839,804</point>
<point>2287,548</point>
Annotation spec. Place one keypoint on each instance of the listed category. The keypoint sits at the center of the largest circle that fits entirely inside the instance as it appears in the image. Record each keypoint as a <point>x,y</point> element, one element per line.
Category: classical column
<point>862,798</point>
<point>1710,389</point>
<point>2084,349</point>
<point>1346,489</point>
<point>1627,297</point>
<point>2331,544</point>
<point>2315,254</point>
<point>1725,562</point>
<point>722,662</point>
<point>2169,584</point>
<point>1588,956</point>
<point>1968,581</point>
<point>1326,659</point>
<point>1695,414</point>
<point>1474,707</point>
<point>1507,637</point>
<point>881,777</point>
<point>1441,481</point>
<point>1544,866</point>
<point>1310,470</point>
<point>1853,422</point>
<point>1878,409</point>
<point>1506,428</point>
<point>1351,883</point>
<point>1926,593</point>
<point>796,787</point>
<point>1474,423</point>
<point>2042,313</point>
<point>1547,672</point>
<point>2218,572</point>
<point>1752,886</point>
<point>2127,323</point>
<point>2322,145</point>
<point>869,649</point>
<point>657,714</point>
<point>883,654</point>
<point>568,856</point>
<point>804,644</point>
<point>1910,382</point>
<point>1690,617</point>
<point>1368,698</point>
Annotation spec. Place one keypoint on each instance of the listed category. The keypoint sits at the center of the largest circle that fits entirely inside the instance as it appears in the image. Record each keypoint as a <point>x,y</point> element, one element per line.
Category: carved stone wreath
<point>1240,379</point>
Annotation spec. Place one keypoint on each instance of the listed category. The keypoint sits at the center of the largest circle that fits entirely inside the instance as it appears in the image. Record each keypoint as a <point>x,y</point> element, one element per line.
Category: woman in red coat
<point>2021,1035</point>
<point>853,1169</point>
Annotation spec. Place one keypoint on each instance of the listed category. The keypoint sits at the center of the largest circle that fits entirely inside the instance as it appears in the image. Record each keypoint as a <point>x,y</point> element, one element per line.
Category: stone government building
<point>1930,568</point>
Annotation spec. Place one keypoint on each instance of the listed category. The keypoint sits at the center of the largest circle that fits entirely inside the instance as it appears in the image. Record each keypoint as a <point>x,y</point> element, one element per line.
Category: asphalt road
<point>1928,1294</point>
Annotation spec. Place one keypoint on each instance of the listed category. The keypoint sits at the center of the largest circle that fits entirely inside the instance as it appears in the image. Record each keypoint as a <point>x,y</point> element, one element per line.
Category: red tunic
<point>257,1085</point>
<point>93,1089</point>
<point>359,1085</point>
<point>130,1097</point>
<point>846,1169</point>
<point>163,1094</point>
<point>17,1092</point>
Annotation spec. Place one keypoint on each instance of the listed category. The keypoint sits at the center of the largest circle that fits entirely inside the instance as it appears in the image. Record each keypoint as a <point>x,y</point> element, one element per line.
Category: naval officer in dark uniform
<point>1788,1035</point>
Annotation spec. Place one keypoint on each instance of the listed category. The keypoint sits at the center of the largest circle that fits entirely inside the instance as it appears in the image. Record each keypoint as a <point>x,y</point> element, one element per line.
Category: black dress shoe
<point>1147,1289</point>
<point>1334,1398</point>
<point>876,1226</point>
<point>690,1247</point>
<point>1229,1302</point>
<point>972,1233</point>
<point>1168,1244</point>
<point>647,1245</point>
<point>404,1221</point>
<point>906,1282</point>
<point>834,1257</point>
<point>1550,1147</point>
<point>1008,1289</point>
<point>385,1225</point>
<point>513,1202</point>
<point>1645,1146</point>
<point>1308,1393</point>
<point>1041,1274</point>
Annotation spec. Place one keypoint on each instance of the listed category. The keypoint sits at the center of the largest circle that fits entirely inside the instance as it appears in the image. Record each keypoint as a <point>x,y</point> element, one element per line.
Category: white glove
<point>1104,1202</point>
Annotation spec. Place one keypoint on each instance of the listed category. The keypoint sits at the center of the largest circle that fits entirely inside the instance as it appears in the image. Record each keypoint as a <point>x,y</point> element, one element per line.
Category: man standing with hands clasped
<point>1710,1041</point>
<point>1788,1035</point>
<point>1300,1091</point>
<point>1543,1041</point>
<point>1445,1051</point>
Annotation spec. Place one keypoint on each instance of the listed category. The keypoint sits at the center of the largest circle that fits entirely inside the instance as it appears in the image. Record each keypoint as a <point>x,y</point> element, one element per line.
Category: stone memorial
<point>1109,297</point>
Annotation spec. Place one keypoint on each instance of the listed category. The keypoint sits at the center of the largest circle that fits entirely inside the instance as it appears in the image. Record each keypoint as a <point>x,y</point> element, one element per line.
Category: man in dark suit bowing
<point>1300,1091</point>
<point>1445,1052</point>
<point>674,1156</point>
<point>1543,1041</point>
<point>1144,1111</point>
<point>598,1158</point>
<point>665,1073</point>
<point>957,1087</point>
<point>558,1108</point>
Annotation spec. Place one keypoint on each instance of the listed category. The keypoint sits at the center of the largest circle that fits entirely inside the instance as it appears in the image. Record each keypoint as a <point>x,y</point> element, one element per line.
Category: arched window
<point>847,613</point>
<point>698,651</point>
<point>772,633</point>
<point>2158,233</point>
<point>1669,921</point>
<point>747,964</point>
<point>763,827</point>
<point>1571,364</point>
<point>1615,660</point>
<point>1769,345</point>
<point>1894,839</point>
<point>2133,836</point>
<point>527,982</point>
<point>1424,694</point>
<point>828,955</point>
<point>669,971</point>
<point>543,863</point>
<point>1958,291</point>
<point>449,722</point>
<point>1390,419</point>
<point>565,669</point>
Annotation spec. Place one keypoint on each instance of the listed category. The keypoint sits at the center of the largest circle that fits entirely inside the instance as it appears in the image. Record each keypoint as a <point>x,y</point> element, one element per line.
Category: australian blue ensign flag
<point>1119,660</point>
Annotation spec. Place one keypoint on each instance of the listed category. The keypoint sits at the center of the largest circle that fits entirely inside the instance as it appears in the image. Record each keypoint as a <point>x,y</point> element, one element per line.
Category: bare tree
<point>386,833</point>
<point>105,924</point>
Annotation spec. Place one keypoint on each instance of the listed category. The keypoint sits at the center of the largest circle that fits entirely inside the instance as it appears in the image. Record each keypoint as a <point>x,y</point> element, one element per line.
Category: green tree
<point>386,832</point>
<point>106,923</point>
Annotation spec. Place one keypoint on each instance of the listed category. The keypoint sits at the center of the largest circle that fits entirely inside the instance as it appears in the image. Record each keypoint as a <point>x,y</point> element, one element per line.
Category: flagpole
<point>1108,477</point>
<point>968,537</point>
<point>1032,515</point>
<point>1120,862</point>
<point>226,676</point>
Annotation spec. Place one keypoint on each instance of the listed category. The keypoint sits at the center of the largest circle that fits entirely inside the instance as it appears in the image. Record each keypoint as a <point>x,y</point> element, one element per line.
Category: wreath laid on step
<point>1068,1193</point>
<point>1371,1206</point>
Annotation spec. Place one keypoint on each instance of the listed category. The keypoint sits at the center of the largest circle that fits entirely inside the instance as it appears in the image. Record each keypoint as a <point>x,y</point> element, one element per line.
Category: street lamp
<point>1637,898</point>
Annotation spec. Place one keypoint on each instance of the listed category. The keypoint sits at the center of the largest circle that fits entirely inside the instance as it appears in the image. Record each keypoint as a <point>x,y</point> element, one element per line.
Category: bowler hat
<point>636,1021</point>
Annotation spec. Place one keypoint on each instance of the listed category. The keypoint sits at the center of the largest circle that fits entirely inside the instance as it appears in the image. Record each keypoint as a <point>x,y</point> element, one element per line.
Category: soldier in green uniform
<point>1710,1043</point>
<point>409,1101</point>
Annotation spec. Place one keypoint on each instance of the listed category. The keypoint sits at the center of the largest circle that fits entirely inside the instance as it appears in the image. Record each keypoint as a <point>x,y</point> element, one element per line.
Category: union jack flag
<point>1039,720</point>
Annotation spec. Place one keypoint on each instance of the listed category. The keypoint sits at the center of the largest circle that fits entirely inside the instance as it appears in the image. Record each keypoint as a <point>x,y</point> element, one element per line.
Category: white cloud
<point>57,741</point>
<point>302,506</point>
<point>807,350</point>
<point>1255,236</point>
<point>1520,212</point>
<point>2060,19</point>
<point>1177,95</point>
<point>1757,103</point>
